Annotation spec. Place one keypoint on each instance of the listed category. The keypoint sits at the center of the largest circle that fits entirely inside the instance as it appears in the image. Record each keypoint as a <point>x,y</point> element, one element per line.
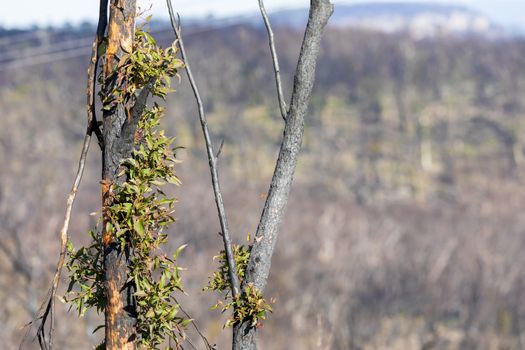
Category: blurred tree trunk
<point>118,144</point>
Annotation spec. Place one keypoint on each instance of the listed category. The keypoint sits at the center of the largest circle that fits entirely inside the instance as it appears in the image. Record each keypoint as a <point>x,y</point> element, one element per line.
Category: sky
<point>24,13</point>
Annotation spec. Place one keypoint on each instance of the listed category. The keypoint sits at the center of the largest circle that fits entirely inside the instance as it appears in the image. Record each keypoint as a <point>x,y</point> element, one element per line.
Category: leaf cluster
<point>86,272</point>
<point>139,210</point>
<point>250,305</point>
<point>220,280</point>
<point>147,65</point>
<point>137,217</point>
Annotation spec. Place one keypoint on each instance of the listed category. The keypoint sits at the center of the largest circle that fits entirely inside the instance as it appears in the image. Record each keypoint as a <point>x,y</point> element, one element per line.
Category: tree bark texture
<point>118,131</point>
<point>274,209</point>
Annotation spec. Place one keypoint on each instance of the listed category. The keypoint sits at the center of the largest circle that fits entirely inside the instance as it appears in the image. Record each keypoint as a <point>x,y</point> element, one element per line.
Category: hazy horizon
<point>507,13</point>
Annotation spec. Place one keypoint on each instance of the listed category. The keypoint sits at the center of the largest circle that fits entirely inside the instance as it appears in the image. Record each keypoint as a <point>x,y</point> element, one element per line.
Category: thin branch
<point>140,103</point>
<point>92,71</point>
<point>220,149</point>
<point>47,310</point>
<point>201,335</point>
<point>234,279</point>
<point>49,304</point>
<point>129,127</point>
<point>275,58</point>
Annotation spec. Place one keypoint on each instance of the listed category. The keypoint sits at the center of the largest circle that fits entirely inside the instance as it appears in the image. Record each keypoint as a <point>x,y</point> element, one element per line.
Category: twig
<point>47,310</point>
<point>275,58</point>
<point>188,339</point>
<point>204,339</point>
<point>211,158</point>
<point>220,149</point>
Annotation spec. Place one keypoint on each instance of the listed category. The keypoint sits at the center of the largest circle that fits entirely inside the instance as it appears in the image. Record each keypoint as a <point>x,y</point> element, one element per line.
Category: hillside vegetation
<point>404,229</point>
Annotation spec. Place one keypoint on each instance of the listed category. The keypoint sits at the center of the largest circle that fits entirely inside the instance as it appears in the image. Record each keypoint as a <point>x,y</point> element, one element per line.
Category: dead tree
<point>117,143</point>
<point>274,209</point>
<point>277,198</point>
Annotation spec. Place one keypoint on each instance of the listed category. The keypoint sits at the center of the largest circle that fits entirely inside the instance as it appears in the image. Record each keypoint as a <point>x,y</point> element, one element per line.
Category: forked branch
<point>278,193</point>
<point>277,199</point>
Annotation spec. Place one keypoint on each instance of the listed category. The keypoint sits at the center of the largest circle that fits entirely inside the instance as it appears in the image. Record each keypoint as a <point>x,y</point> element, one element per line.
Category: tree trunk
<point>244,334</point>
<point>118,143</point>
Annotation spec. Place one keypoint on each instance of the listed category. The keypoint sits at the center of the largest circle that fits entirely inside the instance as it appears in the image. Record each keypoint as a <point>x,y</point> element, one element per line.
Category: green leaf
<point>178,251</point>
<point>139,203</point>
<point>70,248</point>
<point>186,322</point>
<point>140,294</point>
<point>101,50</point>
<point>139,227</point>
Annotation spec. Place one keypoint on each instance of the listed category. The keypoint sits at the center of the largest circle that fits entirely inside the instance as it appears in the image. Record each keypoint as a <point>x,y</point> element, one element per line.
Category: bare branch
<point>220,149</point>
<point>47,310</point>
<point>275,58</point>
<point>48,307</point>
<point>234,279</point>
<point>129,127</point>
<point>92,71</point>
<point>194,324</point>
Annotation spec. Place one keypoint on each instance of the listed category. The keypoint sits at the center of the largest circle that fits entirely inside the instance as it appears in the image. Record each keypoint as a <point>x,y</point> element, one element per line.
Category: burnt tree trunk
<point>118,130</point>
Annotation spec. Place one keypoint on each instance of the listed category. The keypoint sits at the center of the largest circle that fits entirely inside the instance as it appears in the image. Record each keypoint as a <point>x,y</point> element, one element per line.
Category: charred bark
<point>118,131</point>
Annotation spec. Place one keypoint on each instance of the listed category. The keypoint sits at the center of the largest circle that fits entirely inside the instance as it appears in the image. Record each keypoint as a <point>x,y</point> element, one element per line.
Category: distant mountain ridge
<point>421,20</point>
<point>418,19</point>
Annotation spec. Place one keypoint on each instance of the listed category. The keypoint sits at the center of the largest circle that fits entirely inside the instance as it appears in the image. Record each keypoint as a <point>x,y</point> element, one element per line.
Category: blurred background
<point>405,227</point>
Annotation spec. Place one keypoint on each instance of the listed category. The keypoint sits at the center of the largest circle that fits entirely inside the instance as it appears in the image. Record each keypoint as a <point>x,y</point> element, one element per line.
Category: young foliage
<point>86,272</point>
<point>250,305</point>
<point>148,65</point>
<point>138,211</point>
